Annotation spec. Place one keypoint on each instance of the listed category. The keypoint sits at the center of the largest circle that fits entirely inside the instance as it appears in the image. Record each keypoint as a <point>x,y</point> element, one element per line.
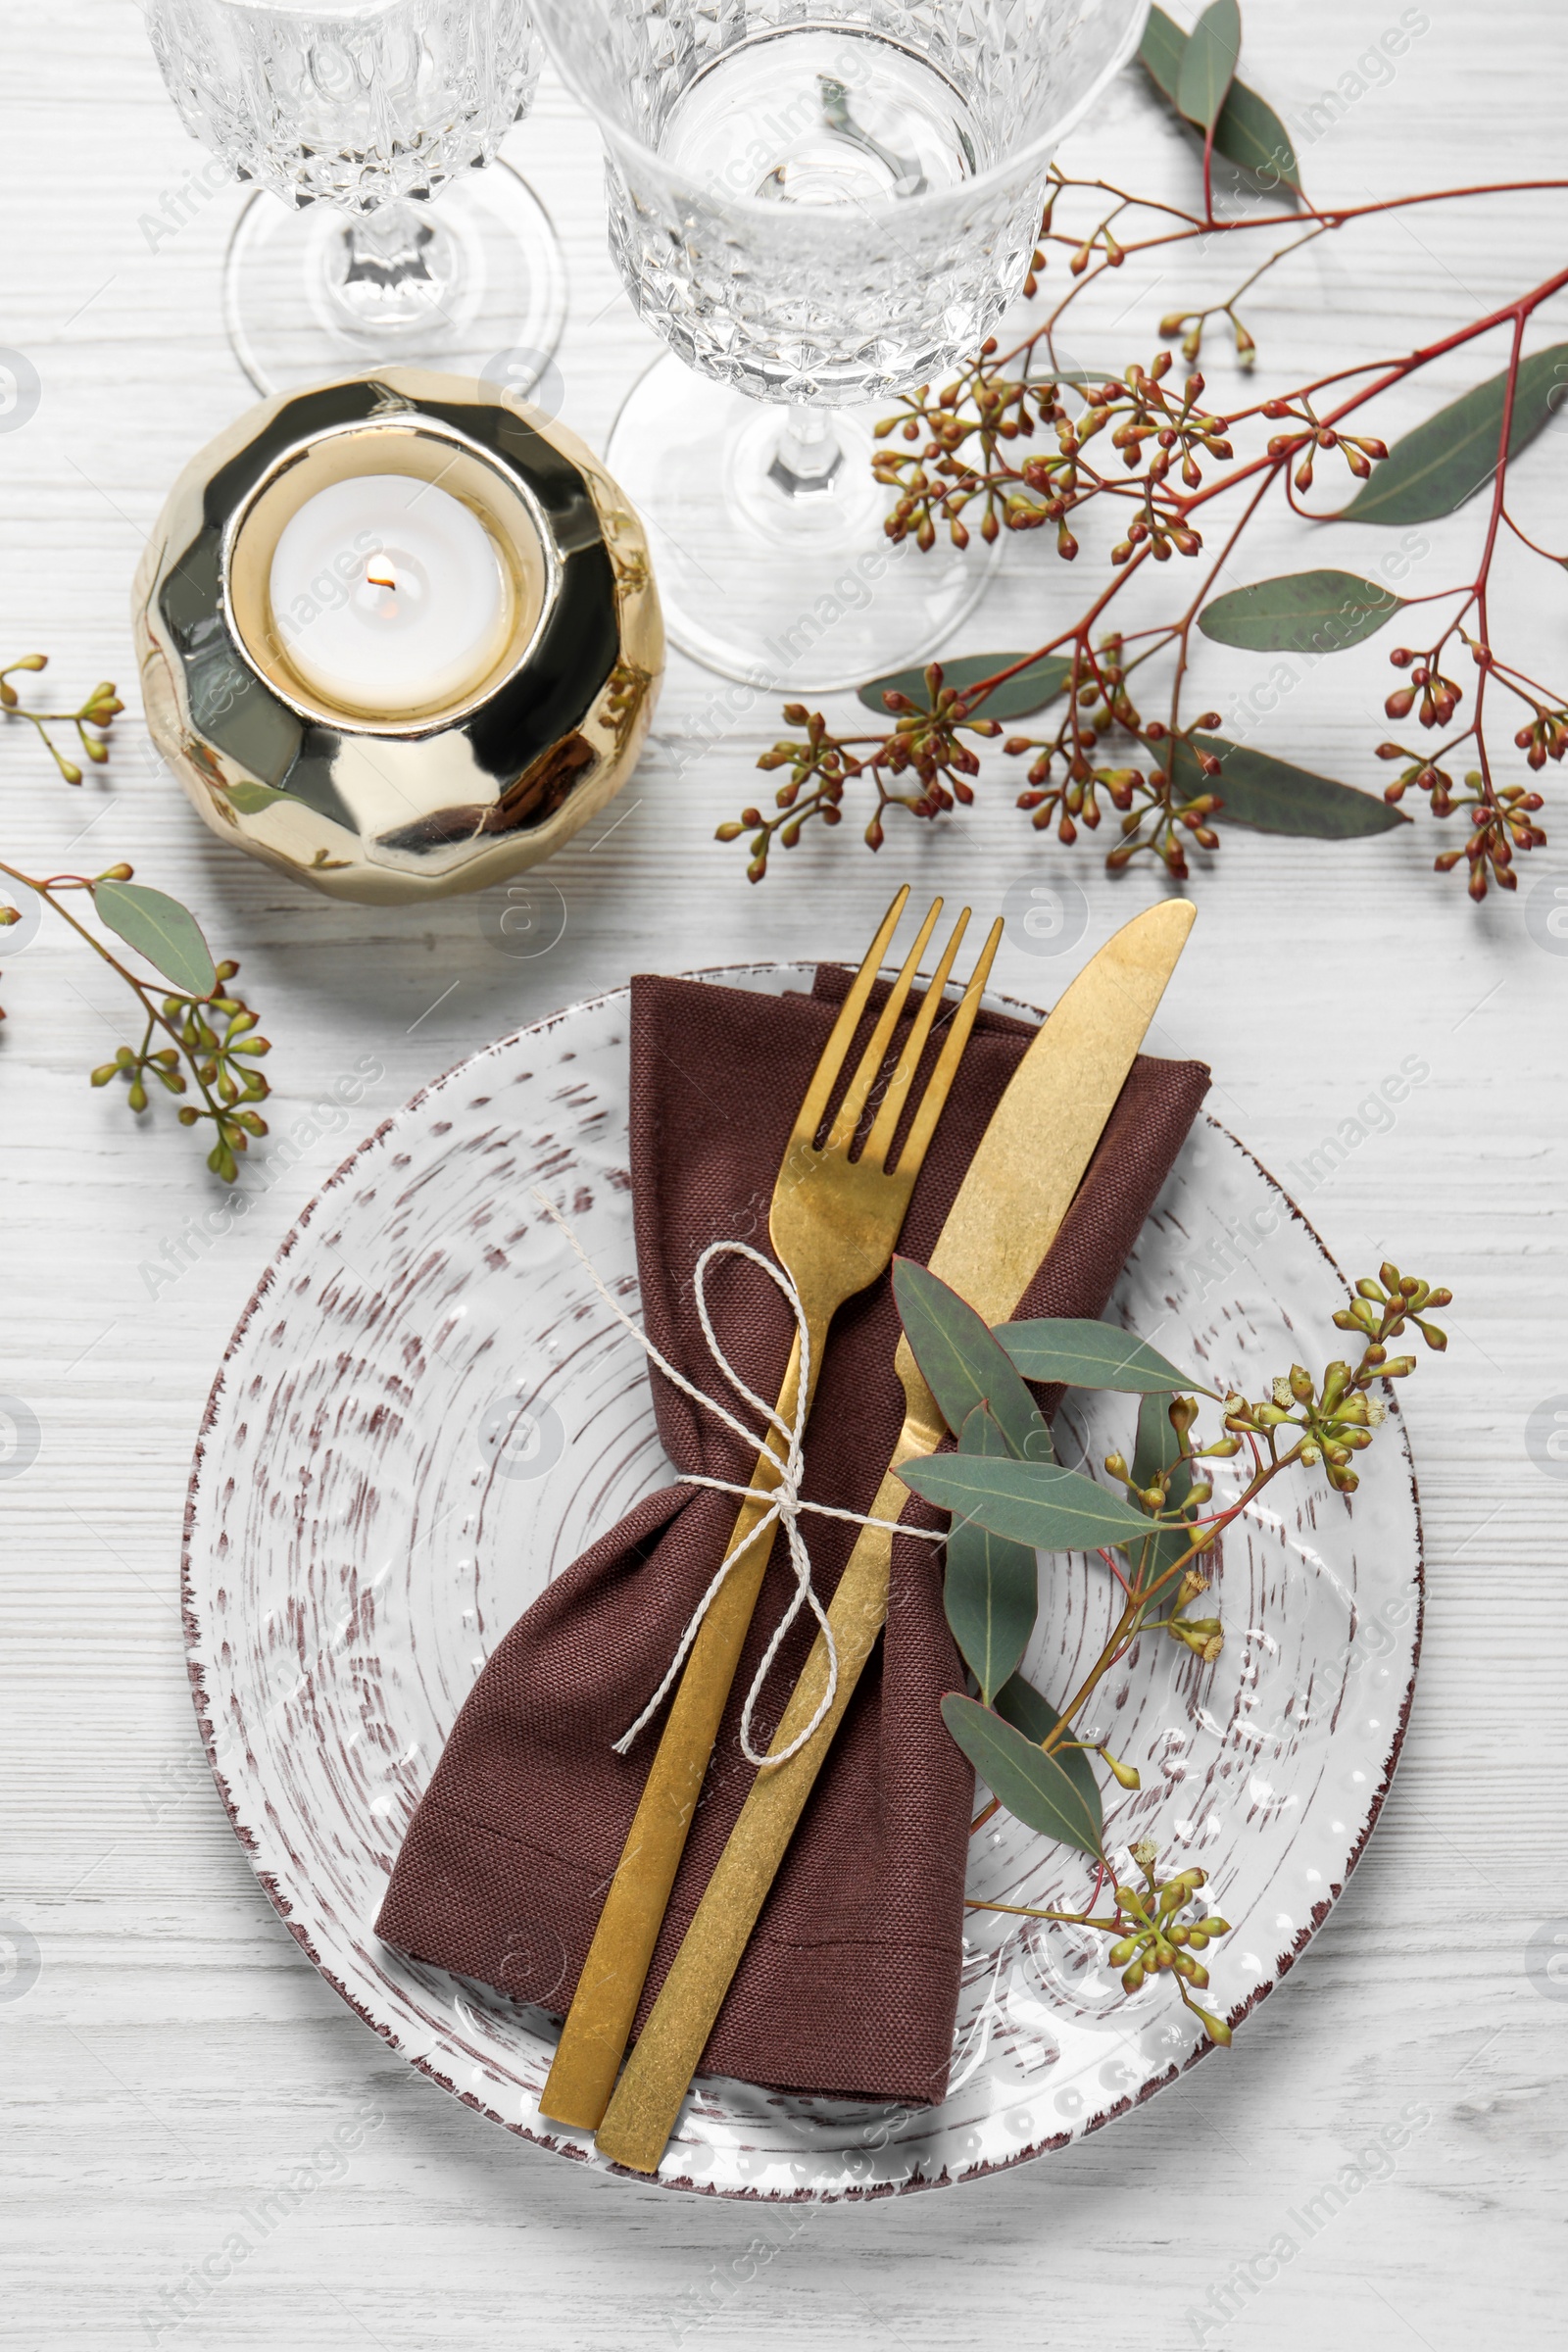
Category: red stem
<point>1484,568</point>
<point>1393,373</point>
<point>1519,310</point>
<point>1115,1571</point>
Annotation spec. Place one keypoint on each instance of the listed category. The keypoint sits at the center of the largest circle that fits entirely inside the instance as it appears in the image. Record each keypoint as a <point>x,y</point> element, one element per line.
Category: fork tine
<point>879,1142</point>
<point>936,1094</point>
<point>848,1020</point>
<point>868,1067</point>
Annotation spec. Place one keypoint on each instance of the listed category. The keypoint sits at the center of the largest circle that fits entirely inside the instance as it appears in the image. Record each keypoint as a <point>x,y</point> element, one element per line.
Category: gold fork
<point>833,1224</point>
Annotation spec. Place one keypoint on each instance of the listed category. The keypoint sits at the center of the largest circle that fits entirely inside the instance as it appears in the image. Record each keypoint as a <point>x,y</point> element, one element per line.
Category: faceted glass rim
<point>1009,168</point>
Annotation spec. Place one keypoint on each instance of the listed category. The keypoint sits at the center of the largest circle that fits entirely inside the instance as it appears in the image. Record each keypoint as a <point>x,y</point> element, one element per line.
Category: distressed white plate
<point>426,1412</point>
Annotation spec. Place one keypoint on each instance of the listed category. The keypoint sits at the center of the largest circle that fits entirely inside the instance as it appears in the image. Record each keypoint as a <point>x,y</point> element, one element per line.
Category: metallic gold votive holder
<point>449,798</point>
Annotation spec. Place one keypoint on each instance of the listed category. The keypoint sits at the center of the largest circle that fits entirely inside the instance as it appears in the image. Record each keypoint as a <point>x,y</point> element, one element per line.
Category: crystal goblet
<point>354,115</point>
<point>818,204</point>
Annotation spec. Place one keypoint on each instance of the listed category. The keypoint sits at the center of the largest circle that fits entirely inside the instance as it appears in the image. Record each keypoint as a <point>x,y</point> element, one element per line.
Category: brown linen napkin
<point>850,1984</point>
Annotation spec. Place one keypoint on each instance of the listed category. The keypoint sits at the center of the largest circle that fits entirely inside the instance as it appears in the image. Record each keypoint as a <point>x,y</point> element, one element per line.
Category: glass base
<point>472,282</point>
<point>769,552</point>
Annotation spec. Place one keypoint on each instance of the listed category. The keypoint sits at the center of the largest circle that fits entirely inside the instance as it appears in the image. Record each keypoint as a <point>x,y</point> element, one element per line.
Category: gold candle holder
<point>442,797</point>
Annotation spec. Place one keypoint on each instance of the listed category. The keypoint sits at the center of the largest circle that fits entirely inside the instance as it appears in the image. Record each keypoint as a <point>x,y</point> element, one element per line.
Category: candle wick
<point>376,579</point>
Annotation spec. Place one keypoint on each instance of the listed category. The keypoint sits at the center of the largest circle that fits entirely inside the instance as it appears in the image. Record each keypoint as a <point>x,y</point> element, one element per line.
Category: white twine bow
<point>785,1503</point>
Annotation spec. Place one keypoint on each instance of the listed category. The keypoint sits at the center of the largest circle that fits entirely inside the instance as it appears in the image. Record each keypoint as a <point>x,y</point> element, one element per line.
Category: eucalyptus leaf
<point>1030,690</point>
<point>1030,1503</point>
<point>160,928</point>
<point>1251,134</point>
<point>963,1365</point>
<point>1209,63</point>
<point>1161,52</point>
<point>1088,1355</point>
<point>1030,1784</point>
<point>1447,460</point>
<point>1270,796</point>
<point>1300,612</point>
<point>1156,1449</point>
<point>1019,1704</point>
<point>1248,132</point>
<point>991,1589</point>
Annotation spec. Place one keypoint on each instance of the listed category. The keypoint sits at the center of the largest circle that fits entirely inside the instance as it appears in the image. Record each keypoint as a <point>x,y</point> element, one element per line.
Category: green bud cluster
<point>1336,1418</point>
<point>1381,1308</point>
<point>100,710</point>
<point>1155,1935</point>
<point>218,1048</point>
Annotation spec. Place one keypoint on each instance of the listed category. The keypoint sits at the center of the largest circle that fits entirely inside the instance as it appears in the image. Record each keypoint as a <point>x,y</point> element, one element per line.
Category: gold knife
<point>1018,1188</point>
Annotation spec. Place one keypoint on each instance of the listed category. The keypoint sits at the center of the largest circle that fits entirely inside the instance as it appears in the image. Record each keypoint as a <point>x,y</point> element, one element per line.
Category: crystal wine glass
<point>354,115</point>
<point>818,204</point>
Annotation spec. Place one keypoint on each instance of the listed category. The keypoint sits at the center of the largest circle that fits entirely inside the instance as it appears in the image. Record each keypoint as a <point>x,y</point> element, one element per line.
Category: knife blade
<point>1008,1208</point>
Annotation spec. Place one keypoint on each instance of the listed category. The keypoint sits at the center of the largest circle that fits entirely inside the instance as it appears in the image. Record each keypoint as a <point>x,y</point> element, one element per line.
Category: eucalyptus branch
<point>1153,1931</point>
<point>100,710</point>
<point>212,1047</point>
<point>1011,1500</point>
<point>1015,442</point>
<point>1336,1421</point>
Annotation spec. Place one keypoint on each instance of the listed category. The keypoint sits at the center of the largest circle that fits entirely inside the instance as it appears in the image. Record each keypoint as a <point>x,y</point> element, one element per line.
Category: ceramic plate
<point>427,1412</point>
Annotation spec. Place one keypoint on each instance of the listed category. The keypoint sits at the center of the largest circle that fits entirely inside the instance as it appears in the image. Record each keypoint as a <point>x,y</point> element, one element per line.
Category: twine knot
<point>784,1500</point>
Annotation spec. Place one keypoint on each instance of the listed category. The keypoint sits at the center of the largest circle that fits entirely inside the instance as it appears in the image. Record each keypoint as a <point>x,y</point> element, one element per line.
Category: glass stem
<point>808,453</point>
<point>387,244</point>
<point>392,268</point>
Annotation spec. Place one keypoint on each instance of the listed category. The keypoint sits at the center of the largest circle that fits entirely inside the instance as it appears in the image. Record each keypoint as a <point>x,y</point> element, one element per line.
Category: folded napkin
<point>850,1984</point>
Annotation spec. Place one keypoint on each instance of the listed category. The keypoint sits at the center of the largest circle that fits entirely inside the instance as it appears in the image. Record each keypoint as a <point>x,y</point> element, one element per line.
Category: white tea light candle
<point>397,636</point>
<point>389,596</point>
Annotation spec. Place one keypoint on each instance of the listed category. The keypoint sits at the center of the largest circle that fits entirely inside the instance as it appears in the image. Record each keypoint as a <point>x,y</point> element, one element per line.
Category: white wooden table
<point>174,2057</point>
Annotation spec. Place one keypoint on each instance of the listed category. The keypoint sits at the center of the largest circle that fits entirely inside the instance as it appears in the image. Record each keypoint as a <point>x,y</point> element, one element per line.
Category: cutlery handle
<point>641,2116</point>
<point>599,2024</point>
